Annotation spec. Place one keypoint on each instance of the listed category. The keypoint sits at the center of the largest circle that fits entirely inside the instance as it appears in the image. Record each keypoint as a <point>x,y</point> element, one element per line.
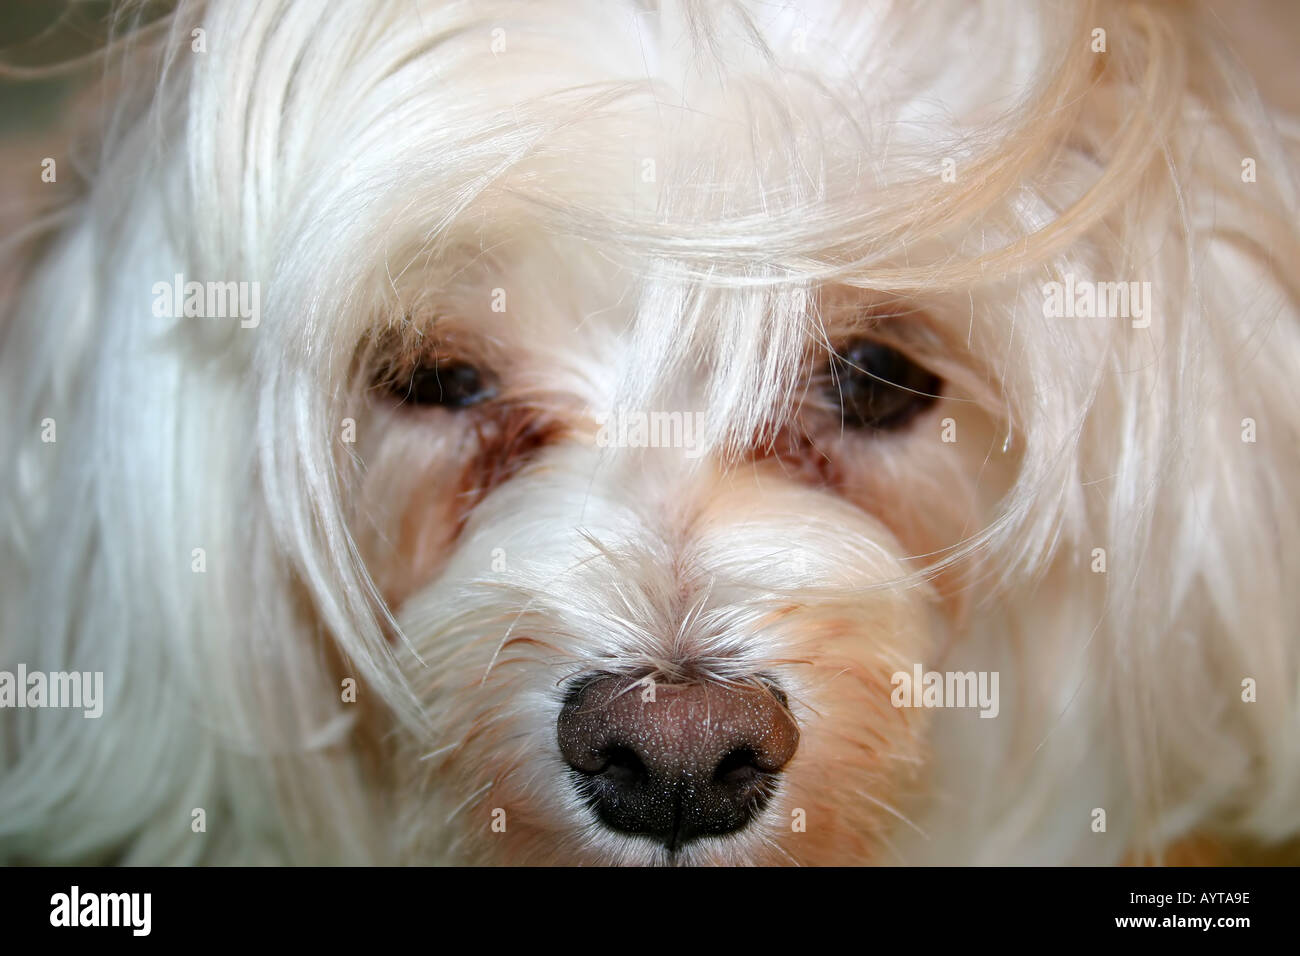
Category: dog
<point>657,433</point>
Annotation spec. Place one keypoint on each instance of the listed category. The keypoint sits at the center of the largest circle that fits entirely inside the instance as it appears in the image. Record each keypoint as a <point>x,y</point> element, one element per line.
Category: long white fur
<point>342,155</point>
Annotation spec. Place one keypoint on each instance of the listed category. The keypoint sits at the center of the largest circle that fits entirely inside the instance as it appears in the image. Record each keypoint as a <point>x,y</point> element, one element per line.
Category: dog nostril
<point>737,767</point>
<point>697,760</point>
<point>622,765</point>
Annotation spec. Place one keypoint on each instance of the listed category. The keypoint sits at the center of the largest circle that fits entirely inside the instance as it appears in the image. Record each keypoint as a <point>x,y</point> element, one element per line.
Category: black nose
<point>697,759</point>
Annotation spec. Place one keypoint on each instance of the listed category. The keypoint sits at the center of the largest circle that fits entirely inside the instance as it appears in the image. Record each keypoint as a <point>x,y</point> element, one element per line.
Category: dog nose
<point>675,761</point>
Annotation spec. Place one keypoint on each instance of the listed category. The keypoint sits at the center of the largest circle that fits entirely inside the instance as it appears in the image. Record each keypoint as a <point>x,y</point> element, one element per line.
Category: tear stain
<point>796,452</point>
<point>506,439</point>
<point>499,441</point>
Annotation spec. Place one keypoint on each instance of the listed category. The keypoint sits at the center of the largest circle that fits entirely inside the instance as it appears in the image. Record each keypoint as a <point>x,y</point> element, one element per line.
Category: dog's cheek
<point>932,493</point>
<point>405,514</point>
<point>425,475</point>
<point>859,753</point>
<point>493,775</point>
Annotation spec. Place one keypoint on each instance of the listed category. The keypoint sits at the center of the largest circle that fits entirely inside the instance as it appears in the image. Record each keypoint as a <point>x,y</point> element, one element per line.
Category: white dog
<point>682,432</point>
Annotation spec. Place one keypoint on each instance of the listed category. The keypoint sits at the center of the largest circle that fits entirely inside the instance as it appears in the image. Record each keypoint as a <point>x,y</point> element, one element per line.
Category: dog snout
<point>675,762</point>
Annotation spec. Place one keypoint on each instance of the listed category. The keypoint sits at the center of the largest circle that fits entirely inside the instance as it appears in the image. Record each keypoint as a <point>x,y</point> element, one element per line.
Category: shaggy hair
<point>667,206</point>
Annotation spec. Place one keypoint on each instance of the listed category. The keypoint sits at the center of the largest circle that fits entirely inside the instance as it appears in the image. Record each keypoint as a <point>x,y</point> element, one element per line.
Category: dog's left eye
<point>445,384</point>
<point>878,387</point>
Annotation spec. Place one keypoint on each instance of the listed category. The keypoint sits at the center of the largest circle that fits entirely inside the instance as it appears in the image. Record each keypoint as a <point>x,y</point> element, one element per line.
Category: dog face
<point>540,527</point>
<point>535,545</point>
<point>591,483</point>
<point>638,402</point>
<point>595,481</point>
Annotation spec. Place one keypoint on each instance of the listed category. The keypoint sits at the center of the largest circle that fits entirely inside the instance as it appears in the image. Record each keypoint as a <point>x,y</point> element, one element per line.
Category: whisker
<point>468,800</point>
<point>892,811</point>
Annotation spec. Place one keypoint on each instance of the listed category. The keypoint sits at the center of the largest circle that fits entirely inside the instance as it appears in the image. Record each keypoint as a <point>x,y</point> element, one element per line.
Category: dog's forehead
<point>610,115</point>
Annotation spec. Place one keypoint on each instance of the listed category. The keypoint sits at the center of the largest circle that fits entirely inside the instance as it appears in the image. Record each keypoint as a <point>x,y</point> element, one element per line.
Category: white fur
<point>380,161</point>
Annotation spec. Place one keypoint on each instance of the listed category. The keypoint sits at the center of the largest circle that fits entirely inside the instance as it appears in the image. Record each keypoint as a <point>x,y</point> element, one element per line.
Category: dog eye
<point>878,387</point>
<point>445,384</point>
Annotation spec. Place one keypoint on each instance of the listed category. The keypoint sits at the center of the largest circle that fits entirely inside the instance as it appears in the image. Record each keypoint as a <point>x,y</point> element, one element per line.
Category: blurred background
<point>35,33</point>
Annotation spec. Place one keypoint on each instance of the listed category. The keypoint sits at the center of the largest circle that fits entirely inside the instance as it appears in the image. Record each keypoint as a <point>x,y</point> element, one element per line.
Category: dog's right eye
<point>878,388</point>
<point>442,384</point>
